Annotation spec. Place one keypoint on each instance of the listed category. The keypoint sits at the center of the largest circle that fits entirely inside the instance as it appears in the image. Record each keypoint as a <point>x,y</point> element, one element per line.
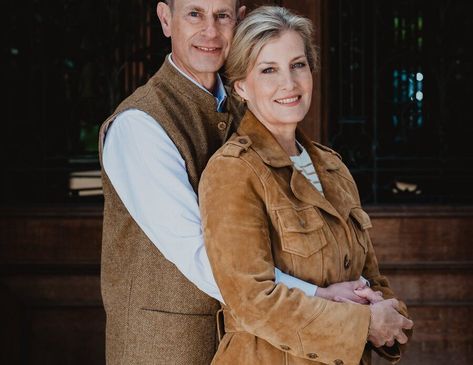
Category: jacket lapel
<point>328,167</point>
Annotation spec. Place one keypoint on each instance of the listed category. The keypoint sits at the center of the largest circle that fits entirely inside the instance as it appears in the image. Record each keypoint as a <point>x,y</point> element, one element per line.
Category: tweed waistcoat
<point>154,314</point>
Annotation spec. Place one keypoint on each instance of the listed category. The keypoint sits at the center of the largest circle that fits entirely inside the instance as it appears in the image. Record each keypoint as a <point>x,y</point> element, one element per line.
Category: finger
<point>407,323</point>
<point>401,338</point>
<point>369,295</point>
<point>390,343</point>
<point>343,300</point>
<point>360,284</point>
<point>377,343</point>
<point>380,293</point>
<point>395,304</point>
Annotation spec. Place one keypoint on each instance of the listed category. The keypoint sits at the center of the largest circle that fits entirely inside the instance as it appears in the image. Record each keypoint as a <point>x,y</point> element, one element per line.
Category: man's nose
<point>210,27</point>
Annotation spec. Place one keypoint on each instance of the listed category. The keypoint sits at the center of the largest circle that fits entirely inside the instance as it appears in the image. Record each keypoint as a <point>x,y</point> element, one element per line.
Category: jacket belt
<point>231,324</point>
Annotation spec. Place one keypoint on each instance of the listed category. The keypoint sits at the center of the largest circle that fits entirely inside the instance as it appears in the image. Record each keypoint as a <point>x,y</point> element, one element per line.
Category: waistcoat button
<point>222,126</point>
<point>338,362</point>
<point>243,141</point>
<point>312,355</point>
<point>285,347</point>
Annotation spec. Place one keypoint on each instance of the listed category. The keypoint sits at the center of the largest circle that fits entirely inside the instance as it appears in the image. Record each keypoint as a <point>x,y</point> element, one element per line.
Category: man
<point>153,150</point>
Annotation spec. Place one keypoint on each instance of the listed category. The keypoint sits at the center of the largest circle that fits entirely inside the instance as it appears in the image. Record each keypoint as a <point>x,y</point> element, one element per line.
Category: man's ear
<point>241,13</point>
<point>164,15</point>
<point>240,89</point>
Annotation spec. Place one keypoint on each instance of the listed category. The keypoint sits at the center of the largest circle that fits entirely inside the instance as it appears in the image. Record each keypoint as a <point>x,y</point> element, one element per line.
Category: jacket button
<point>312,355</point>
<point>243,141</point>
<point>346,262</point>
<point>338,362</point>
<point>285,347</point>
<point>222,126</point>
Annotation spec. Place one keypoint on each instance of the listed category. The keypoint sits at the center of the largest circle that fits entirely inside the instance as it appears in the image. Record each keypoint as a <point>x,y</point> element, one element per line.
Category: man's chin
<point>208,66</point>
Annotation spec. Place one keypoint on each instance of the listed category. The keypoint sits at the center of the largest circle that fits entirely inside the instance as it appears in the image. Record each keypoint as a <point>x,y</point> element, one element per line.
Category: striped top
<point>304,164</point>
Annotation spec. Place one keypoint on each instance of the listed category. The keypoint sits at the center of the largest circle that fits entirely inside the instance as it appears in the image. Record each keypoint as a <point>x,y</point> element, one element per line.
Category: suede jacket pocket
<point>301,231</point>
<point>361,222</point>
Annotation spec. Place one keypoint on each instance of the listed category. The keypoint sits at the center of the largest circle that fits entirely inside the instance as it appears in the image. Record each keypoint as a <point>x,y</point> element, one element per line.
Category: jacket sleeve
<point>381,283</point>
<point>237,239</point>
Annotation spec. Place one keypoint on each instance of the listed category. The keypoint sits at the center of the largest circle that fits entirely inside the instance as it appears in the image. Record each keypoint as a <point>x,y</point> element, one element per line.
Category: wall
<point>50,284</point>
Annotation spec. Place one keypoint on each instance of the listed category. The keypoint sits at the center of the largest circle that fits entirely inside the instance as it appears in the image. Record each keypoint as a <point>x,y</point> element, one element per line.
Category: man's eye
<point>223,16</point>
<point>194,14</point>
<point>268,70</point>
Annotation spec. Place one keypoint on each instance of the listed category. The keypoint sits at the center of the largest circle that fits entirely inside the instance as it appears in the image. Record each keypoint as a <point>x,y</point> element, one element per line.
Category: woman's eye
<point>268,70</point>
<point>299,65</point>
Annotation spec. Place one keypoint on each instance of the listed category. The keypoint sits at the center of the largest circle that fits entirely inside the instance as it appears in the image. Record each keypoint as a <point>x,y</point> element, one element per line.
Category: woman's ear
<point>164,15</point>
<point>240,89</point>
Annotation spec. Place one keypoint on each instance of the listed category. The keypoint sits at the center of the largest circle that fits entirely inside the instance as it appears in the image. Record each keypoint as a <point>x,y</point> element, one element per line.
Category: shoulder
<point>235,159</point>
<point>133,122</point>
<point>235,146</point>
<point>135,129</point>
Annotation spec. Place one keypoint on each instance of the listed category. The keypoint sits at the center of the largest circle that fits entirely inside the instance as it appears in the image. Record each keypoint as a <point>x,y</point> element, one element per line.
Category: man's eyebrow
<point>223,10</point>
<point>194,8</point>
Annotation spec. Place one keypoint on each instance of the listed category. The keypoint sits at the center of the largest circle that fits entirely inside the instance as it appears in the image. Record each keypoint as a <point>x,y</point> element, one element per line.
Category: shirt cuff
<point>366,282</point>
<point>292,282</point>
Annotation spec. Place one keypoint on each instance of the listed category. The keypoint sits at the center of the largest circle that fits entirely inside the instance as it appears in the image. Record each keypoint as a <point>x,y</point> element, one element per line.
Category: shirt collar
<point>220,92</point>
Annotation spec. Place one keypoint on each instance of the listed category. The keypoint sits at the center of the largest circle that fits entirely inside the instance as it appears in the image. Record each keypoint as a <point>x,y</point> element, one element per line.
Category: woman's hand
<point>350,291</point>
<point>387,324</point>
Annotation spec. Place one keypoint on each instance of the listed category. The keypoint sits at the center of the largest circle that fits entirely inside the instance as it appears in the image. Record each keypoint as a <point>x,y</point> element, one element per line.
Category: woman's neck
<point>285,134</point>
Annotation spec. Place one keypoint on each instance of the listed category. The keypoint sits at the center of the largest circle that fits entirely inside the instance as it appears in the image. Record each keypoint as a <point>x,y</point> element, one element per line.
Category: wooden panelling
<point>50,282</point>
<point>51,237</point>
<point>50,287</point>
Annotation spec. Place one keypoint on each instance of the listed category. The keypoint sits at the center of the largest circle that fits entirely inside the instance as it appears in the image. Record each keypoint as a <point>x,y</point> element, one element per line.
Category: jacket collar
<point>336,202</point>
<point>271,152</point>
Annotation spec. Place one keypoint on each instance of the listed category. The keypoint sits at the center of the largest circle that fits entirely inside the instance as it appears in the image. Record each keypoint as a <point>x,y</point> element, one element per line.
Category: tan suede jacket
<point>259,212</point>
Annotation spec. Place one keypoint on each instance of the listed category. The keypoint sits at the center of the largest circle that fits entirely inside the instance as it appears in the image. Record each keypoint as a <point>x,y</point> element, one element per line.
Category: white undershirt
<point>304,164</point>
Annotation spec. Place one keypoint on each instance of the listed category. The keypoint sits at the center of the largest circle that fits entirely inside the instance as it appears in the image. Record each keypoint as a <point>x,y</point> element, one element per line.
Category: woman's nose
<point>287,81</point>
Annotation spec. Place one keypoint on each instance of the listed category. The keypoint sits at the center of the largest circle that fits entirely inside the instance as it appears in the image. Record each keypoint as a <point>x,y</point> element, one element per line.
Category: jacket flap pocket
<point>303,221</point>
<point>301,231</point>
<point>361,217</point>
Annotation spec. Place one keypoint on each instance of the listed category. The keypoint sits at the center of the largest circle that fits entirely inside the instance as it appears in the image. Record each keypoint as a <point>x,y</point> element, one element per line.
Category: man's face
<point>201,32</point>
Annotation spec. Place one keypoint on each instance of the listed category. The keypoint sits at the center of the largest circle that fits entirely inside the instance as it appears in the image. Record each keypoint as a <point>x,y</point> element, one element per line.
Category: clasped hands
<point>386,324</point>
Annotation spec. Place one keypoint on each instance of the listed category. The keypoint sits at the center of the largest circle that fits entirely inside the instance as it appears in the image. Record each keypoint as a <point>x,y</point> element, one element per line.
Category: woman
<point>272,198</point>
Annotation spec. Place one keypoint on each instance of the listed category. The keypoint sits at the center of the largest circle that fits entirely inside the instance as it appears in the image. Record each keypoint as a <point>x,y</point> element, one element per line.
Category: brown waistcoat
<point>154,314</point>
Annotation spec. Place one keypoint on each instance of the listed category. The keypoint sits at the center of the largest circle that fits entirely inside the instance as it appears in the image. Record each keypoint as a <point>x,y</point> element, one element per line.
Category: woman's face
<point>278,88</point>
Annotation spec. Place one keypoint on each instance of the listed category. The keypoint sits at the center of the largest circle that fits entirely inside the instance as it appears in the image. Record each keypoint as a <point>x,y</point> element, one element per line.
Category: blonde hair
<point>253,33</point>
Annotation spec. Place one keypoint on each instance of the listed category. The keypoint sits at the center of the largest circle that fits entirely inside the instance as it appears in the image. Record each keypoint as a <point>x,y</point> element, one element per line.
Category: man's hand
<point>387,324</point>
<point>346,291</point>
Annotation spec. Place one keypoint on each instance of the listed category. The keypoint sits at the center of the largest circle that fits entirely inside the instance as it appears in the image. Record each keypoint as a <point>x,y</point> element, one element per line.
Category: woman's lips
<point>289,101</point>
